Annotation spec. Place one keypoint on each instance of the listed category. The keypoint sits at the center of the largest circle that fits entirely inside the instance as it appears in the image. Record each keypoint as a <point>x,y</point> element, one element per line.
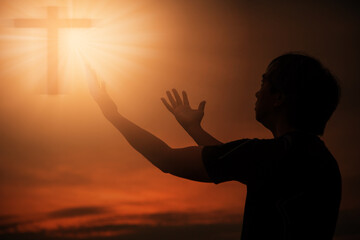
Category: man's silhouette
<point>293,182</point>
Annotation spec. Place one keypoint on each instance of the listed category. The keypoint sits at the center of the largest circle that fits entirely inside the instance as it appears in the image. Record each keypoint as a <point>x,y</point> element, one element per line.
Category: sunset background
<point>66,173</point>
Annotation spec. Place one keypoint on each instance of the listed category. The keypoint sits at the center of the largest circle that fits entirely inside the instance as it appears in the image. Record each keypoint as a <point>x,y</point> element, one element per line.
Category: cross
<point>52,24</point>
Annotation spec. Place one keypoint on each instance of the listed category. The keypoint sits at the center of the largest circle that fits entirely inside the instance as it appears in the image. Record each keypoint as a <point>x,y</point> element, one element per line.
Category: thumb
<point>202,106</point>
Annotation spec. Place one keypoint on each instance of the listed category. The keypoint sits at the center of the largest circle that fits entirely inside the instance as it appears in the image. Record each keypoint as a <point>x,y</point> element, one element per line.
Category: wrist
<point>112,115</point>
<point>195,128</point>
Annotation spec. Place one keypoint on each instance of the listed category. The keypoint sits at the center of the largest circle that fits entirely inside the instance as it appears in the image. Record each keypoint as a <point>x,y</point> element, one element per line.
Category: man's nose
<point>257,94</point>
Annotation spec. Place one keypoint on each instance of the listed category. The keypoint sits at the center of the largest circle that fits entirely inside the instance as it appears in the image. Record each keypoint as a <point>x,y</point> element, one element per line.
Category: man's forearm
<point>182,162</point>
<point>151,147</point>
<point>201,137</point>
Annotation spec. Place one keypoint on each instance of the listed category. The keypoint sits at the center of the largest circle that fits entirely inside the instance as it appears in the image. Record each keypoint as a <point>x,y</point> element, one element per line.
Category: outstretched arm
<point>183,162</point>
<point>189,119</point>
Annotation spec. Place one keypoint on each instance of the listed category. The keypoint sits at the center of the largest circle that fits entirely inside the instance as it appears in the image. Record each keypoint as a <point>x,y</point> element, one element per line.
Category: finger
<point>185,99</point>
<point>167,105</point>
<point>171,99</point>
<point>177,97</point>
<point>202,106</point>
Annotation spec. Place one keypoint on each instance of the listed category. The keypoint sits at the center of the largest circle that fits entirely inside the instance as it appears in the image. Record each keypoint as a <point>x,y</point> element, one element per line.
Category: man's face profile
<point>264,105</point>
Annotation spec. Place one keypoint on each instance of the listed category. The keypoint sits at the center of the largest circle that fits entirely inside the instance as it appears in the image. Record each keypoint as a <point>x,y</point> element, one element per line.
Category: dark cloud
<point>170,218</point>
<point>167,225</point>
<point>7,217</point>
<point>8,226</point>
<point>78,212</point>
<point>173,218</point>
<point>136,232</point>
<point>183,218</point>
<point>10,223</point>
<point>188,231</point>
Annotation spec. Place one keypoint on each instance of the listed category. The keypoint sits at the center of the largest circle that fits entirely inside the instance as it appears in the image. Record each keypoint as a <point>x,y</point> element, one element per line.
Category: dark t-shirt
<point>293,185</point>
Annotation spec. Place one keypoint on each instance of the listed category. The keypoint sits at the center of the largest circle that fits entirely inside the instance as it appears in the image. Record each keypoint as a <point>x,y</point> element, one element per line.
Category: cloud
<point>103,223</point>
<point>166,225</point>
<point>4,227</point>
<point>10,223</point>
<point>6,217</point>
<point>136,232</point>
<point>183,218</point>
<point>78,212</point>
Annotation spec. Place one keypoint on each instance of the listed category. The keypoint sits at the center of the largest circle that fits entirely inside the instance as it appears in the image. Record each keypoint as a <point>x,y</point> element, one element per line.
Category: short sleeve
<point>245,160</point>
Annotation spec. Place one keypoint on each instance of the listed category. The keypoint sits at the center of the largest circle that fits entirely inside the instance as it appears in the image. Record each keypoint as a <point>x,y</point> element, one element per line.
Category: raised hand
<point>182,111</point>
<point>99,93</point>
<point>182,162</point>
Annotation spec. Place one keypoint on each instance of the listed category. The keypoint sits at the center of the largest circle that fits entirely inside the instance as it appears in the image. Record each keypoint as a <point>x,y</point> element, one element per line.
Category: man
<point>293,182</point>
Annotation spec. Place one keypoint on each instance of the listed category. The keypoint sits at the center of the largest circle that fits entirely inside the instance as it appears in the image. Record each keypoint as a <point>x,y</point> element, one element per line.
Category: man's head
<point>300,88</point>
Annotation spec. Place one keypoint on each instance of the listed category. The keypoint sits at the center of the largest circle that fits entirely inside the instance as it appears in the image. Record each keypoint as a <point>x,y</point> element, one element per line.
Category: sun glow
<point>75,41</point>
<point>114,43</point>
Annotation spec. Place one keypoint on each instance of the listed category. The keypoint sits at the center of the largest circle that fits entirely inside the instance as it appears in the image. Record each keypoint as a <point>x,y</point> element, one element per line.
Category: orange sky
<point>65,169</point>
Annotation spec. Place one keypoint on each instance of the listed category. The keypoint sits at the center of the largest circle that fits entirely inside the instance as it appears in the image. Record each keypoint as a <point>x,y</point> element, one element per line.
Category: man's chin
<point>259,117</point>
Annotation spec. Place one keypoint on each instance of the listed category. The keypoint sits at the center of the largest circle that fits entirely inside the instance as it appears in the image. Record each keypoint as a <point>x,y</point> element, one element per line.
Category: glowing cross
<point>52,24</point>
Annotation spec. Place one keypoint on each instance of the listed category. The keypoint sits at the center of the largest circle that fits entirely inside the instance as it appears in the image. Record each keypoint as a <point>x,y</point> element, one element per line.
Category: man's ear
<point>279,99</point>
